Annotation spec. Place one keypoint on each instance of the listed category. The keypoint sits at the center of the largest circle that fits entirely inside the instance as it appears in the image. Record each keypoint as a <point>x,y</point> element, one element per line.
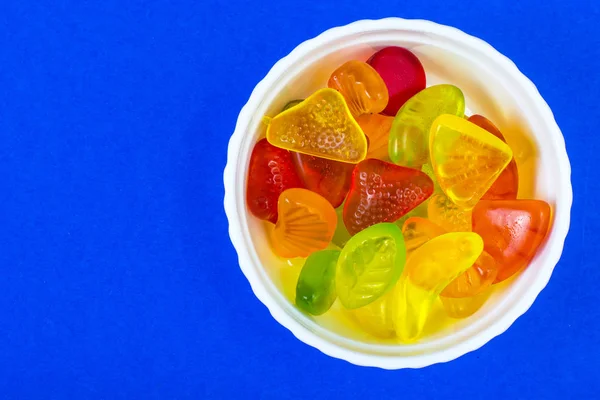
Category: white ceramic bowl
<point>494,87</point>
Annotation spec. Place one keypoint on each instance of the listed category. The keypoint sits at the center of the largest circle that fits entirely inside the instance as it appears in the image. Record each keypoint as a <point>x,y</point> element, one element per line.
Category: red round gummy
<point>271,172</point>
<point>402,73</point>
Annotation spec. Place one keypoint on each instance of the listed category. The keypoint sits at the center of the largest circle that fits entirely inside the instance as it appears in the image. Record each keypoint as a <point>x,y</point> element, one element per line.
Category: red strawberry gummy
<point>271,172</point>
<point>383,192</point>
<point>402,73</point>
<point>329,178</point>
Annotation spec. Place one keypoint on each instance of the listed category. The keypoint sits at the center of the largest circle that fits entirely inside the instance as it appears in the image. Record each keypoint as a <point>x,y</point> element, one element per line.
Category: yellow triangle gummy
<point>466,159</point>
<point>321,126</point>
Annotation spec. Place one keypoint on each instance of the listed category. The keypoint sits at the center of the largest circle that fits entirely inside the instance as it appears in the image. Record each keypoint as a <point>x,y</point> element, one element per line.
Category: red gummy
<point>402,73</point>
<point>383,192</point>
<point>506,185</point>
<point>329,178</point>
<point>271,172</point>
<point>512,231</point>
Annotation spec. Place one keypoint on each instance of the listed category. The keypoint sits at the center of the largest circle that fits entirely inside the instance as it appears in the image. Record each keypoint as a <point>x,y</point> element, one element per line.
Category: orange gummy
<point>362,87</point>
<point>306,223</point>
<point>512,231</point>
<point>377,129</point>
<point>474,280</point>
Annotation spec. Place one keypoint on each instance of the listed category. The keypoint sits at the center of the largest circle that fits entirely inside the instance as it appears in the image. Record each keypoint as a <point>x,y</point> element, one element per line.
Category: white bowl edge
<point>240,243</point>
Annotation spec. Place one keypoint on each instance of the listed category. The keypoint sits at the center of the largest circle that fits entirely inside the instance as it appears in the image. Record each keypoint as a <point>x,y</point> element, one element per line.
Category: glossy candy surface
<point>418,231</point>
<point>330,179</point>
<point>306,224</point>
<point>506,186</point>
<point>428,169</point>
<point>271,171</point>
<point>512,231</point>
<point>466,159</point>
<point>409,135</point>
<point>474,280</point>
<point>429,269</point>
<point>448,215</point>
<point>463,307</point>
<point>402,73</point>
<point>291,104</point>
<point>362,87</point>
<point>315,290</point>
<point>370,265</point>
<point>321,126</point>
<point>383,192</point>
<point>377,129</point>
<point>377,318</point>
<point>341,235</point>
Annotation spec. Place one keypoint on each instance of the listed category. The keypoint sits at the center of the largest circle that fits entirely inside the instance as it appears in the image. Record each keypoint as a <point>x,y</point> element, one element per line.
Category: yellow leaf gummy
<point>429,269</point>
<point>466,159</point>
<point>321,126</point>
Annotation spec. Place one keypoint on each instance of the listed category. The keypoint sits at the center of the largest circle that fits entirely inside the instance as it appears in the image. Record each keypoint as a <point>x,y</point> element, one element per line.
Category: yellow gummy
<point>377,317</point>
<point>465,306</point>
<point>429,269</point>
<point>442,211</point>
<point>466,159</point>
<point>321,126</point>
<point>409,134</point>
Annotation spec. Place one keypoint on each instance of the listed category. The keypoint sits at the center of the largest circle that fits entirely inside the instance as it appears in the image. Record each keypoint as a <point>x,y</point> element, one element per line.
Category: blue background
<point>118,280</point>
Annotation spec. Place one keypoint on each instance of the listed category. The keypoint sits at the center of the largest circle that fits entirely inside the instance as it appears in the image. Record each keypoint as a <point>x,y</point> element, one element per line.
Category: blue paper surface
<point>118,279</point>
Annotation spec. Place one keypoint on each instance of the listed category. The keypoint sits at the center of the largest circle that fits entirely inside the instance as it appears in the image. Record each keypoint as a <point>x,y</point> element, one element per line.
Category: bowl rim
<point>238,240</point>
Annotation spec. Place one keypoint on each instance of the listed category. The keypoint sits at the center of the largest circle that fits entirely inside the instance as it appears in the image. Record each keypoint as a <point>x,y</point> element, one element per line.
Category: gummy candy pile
<point>393,196</point>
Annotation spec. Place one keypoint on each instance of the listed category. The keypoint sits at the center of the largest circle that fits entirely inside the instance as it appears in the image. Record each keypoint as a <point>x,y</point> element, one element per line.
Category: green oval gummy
<point>409,134</point>
<point>370,264</point>
<point>315,291</point>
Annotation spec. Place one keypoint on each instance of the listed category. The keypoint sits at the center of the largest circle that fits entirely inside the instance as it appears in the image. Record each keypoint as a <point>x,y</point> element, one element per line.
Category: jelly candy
<point>428,170</point>
<point>377,318</point>
<point>402,73</point>
<point>429,269</point>
<point>383,192</point>
<point>330,179</point>
<point>315,291</point>
<point>291,104</point>
<point>377,128</point>
<point>419,211</point>
<point>512,231</point>
<point>306,224</point>
<point>474,280</point>
<point>362,87</point>
<point>466,159</point>
<point>409,136</point>
<point>341,235</point>
<point>463,307</point>
<point>370,265</point>
<point>320,126</point>
<point>448,215</point>
<point>418,231</point>
<point>506,186</point>
<point>271,171</point>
